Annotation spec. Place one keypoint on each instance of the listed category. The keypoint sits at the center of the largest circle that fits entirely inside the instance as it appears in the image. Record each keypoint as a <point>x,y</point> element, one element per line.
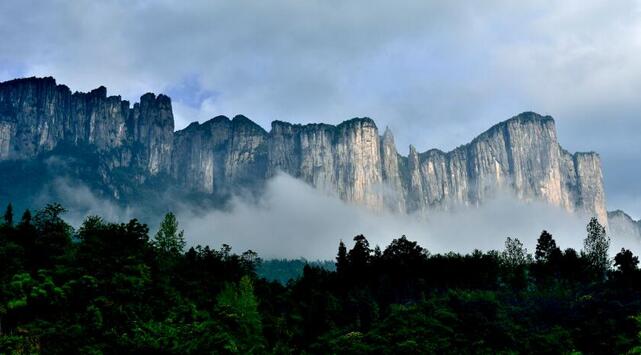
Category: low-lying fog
<point>293,220</point>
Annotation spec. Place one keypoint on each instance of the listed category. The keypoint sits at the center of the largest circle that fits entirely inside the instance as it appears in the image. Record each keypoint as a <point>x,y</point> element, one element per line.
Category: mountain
<point>621,224</point>
<point>121,149</point>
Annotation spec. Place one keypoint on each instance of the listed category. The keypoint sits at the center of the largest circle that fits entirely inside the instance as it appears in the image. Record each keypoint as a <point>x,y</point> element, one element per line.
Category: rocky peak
<point>388,136</point>
<point>622,225</point>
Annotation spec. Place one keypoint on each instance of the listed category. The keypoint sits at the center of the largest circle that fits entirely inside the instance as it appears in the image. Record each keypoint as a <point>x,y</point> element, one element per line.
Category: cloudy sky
<point>436,73</point>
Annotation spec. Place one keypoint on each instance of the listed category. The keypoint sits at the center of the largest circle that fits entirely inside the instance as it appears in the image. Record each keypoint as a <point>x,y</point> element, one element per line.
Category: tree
<point>8,215</point>
<point>360,254</point>
<point>626,262</point>
<point>515,259</point>
<point>26,217</point>
<point>404,256</point>
<point>53,234</point>
<point>341,258</point>
<point>169,240</point>
<point>546,248</point>
<point>238,306</point>
<point>595,247</point>
<point>404,250</point>
<point>250,260</point>
<point>26,236</point>
<point>515,254</point>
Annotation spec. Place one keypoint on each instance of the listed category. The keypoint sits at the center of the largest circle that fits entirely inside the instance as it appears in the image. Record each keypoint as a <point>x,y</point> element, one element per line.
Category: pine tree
<point>595,247</point>
<point>238,304</point>
<point>169,240</point>
<point>26,218</point>
<point>341,258</point>
<point>546,248</point>
<point>8,215</point>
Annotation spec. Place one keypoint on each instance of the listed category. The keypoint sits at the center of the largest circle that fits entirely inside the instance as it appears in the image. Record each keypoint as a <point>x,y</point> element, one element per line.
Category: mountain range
<point>131,153</point>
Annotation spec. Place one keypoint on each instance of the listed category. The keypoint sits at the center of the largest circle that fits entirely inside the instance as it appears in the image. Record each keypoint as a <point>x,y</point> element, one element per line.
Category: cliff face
<point>36,116</point>
<point>621,224</point>
<point>344,159</point>
<point>220,155</point>
<point>521,154</point>
<point>352,160</point>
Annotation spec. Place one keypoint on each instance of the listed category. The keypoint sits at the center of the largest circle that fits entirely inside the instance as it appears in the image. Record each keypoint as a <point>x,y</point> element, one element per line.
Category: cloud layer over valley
<point>292,219</point>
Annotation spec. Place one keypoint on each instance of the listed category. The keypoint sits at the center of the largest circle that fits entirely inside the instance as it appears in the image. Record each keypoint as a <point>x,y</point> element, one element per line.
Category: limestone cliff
<point>344,159</point>
<point>622,225</point>
<point>220,155</point>
<point>521,154</point>
<point>223,156</point>
<point>37,115</point>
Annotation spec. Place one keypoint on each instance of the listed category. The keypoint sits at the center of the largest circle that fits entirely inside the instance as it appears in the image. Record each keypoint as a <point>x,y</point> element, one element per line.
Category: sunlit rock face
<point>522,155</point>
<point>343,159</point>
<point>351,160</point>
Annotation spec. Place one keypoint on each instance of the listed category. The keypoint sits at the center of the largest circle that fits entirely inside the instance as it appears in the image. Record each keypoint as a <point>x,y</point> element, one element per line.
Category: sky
<point>436,73</point>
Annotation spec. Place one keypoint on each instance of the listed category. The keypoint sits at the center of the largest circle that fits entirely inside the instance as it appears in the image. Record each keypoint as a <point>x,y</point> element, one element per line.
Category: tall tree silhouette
<point>360,254</point>
<point>546,248</point>
<point>341,258</point>
<point>595,247</point>
<point>8,215</point>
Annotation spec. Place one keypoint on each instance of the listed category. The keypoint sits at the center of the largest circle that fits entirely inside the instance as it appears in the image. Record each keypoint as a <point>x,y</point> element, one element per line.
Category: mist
<point>80,202</point>
<point>292,220</point>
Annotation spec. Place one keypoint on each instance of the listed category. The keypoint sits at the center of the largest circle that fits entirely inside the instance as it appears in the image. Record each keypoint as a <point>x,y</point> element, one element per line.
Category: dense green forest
<point>284,270</point>
<point>111,288</point>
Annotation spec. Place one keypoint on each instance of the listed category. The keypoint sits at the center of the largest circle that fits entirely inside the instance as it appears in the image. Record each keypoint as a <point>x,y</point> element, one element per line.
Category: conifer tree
<point>169,240</point>
<point>545,248</point>
<point>8,215</point>
<point>239,305</point>
<point>341,258</point>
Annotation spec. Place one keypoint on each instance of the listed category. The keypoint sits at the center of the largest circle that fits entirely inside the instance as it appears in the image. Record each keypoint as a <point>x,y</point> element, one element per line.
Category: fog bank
<point>294,220</point>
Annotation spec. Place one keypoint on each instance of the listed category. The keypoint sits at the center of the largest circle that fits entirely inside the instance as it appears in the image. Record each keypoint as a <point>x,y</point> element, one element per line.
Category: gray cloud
<point>80,202</point>
<point>437,73</point>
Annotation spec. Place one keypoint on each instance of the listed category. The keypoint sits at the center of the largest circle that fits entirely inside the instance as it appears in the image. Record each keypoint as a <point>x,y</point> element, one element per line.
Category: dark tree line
<point>110,288</point>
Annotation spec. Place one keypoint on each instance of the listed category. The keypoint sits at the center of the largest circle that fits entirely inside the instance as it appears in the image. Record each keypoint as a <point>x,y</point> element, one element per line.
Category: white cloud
<point>292,220</point>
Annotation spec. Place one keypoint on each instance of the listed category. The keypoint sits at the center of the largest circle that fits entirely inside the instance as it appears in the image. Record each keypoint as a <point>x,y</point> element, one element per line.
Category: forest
<point>115,288</point>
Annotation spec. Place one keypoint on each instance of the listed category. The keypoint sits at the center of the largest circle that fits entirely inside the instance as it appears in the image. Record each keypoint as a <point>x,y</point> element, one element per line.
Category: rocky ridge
<point>222,156</point>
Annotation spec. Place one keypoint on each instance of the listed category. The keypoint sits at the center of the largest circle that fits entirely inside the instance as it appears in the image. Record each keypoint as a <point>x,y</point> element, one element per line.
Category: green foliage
<point>114,291</point>
<point>595,247</point>
<point>514,255</point>
<point>237,307</point>
<point>169,240</point>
